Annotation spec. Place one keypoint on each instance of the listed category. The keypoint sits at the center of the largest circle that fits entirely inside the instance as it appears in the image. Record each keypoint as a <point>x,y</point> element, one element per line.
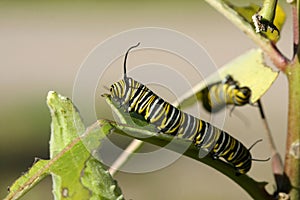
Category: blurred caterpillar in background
<point>217,95</point>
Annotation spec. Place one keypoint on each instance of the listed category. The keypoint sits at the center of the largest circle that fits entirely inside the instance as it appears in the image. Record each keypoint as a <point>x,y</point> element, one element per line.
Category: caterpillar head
<point>243,95</point>
<point>117,90</point>
<point>244,167</point>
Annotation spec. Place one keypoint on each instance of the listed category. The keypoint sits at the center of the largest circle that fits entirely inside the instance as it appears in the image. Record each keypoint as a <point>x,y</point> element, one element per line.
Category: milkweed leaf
<point>103,187</point>
<point>75,173</point>
<point>66,123</point>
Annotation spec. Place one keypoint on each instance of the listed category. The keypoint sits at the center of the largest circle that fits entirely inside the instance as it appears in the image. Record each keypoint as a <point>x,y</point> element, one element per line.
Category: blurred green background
<point>42,46</point>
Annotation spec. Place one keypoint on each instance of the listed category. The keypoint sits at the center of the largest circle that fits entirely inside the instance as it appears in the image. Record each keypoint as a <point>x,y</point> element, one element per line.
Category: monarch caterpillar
<point>217,95</point>
<point>136,97</point>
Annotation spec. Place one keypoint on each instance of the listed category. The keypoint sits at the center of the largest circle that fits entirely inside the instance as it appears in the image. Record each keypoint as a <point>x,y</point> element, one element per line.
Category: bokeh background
<point>42,46</point>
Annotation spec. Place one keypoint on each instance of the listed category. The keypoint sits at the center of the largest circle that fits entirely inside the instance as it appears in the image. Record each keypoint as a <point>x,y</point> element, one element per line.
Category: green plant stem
<point>292,157</point>
<point>279,60</point>
<point>268,10</point>
<point>296,25</point>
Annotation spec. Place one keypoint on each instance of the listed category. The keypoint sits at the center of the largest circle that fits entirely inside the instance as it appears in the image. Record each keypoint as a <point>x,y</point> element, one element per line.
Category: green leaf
<point>248,69</point>
<point>75,173</point>
<point>75,164</point>
<point>103,187</point>
<point>246,12</point>
<point>66,123</point>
